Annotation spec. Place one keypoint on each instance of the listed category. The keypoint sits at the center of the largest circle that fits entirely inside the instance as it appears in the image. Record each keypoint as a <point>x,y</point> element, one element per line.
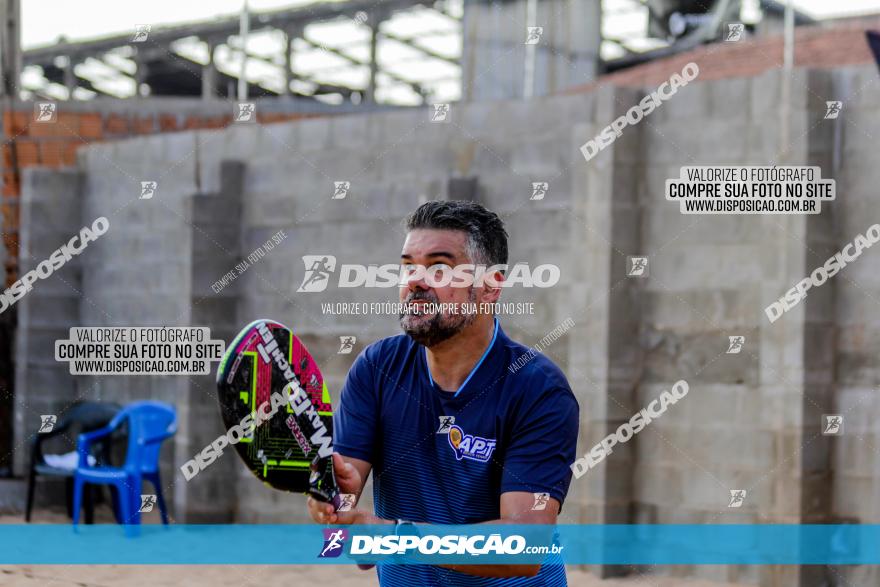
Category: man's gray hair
<point>486,236</point>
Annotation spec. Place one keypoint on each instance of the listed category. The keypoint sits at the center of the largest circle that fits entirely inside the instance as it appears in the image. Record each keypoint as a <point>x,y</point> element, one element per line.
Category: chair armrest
<point>85,441</point>
<point>168,432</point>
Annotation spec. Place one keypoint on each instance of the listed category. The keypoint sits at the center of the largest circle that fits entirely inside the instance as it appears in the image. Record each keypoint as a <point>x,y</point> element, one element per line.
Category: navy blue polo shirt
<point>445,458</point>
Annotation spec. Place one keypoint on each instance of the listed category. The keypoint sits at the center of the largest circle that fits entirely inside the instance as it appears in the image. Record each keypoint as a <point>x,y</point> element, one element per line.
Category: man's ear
<point>492,288</point>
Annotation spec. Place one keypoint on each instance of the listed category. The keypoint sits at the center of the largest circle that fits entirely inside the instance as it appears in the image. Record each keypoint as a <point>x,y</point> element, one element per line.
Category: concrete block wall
<point>705,280</point>
<point>855,461</point>
<point>51,212</point>
<point>140,272</point>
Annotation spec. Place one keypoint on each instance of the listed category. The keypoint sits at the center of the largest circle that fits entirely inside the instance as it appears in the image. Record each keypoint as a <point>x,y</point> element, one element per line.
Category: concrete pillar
<point>216,217</point>
<point>209,74</point>
<point>495,53</point>
<point>288,63</point>
<point>70,76</point>
<point>604,353</point>
<point>375,22</point>
<point>140,74</point>
<point>10,47</point>
<point>797,350</point>
<point>289,37</point>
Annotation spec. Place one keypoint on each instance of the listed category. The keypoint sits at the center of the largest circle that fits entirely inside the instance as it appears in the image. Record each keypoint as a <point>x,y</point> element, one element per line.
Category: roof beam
<point>410,42</point>
<point>417,88</point>
<point>322,88</point>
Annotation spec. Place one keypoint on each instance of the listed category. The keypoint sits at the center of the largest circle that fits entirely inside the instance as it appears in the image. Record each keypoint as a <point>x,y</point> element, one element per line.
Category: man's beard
<point>429,331</point>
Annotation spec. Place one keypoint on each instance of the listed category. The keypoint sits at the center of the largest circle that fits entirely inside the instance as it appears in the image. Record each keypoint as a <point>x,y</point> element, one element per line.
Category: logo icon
<point>735,344</point>
<point>534,35</point>
<point>446,423</point>
<point>468,446</point>
<point>439,112</point>
<point>832,424</point>
<point>334,542</point>
<point>245,112</point>
<point>637,266</point>
<point>318,270</point>
<point>47,423</point>
<point>346,344</point>
<point>832,109</point>
<point>148,189</point>
<point>735,32</point>
<point>147,502</point>
<point>539,190</point>
<point>360,16</point>
<point>737,497</point>
<point>141,32</point>
<point>45,112</point>
<point>346,502</point>
<point>541,500</point>
<point>340,189</point>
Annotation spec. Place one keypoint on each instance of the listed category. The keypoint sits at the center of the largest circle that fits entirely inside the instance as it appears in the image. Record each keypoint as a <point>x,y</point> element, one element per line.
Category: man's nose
<point>416,281</point>
<point>417,284</point>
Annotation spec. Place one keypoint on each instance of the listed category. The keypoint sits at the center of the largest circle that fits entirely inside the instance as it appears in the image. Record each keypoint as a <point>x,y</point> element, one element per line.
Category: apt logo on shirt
<point>468,446</point>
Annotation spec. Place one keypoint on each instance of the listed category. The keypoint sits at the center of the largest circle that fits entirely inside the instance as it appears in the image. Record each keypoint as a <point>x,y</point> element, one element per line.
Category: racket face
<point>260,376</point>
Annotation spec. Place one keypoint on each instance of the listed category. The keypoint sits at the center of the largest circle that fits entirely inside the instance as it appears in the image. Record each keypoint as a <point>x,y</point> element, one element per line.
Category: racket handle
<point>322,481</point>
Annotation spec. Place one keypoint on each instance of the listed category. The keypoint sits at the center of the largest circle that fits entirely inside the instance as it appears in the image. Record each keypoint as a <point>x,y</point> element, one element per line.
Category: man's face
<point>433,249</point>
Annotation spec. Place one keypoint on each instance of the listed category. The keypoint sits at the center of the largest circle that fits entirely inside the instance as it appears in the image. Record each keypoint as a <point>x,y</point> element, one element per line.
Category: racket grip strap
<point>322,481</point>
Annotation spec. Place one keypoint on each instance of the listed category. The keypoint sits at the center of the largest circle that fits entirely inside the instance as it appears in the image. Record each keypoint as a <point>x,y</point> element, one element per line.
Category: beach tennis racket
<point>268,374</point>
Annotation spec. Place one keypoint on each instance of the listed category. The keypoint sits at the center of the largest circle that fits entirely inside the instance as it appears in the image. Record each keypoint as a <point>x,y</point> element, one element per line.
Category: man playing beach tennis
<point>452,433</point>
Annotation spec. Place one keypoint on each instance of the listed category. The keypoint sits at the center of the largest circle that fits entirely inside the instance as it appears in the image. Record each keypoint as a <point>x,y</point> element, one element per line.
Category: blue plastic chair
<point>149,423</point>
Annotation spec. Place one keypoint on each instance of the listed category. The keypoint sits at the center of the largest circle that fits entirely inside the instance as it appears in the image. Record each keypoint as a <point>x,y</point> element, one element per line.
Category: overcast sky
<point>46,20</point>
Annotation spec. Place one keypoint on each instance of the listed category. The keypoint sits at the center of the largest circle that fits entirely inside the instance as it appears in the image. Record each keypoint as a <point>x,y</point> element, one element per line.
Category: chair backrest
<point>89,415</point>
<point>82,416</point>
<point>149,423</point>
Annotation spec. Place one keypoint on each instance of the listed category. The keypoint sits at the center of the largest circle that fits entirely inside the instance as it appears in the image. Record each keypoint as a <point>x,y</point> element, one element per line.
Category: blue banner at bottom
<point>747,544</point>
